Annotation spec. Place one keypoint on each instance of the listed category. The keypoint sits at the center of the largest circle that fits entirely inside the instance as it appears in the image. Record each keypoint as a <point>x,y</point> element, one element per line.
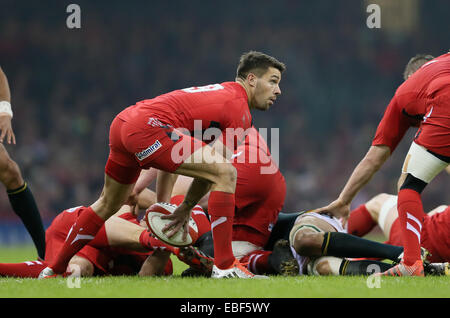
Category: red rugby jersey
<point>412,101</point>
<point>219,106</point>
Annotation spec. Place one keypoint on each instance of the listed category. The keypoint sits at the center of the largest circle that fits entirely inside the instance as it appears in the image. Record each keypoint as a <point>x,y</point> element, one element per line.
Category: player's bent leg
<point>365,217</point>
<point>124,234</point>
<point>421,166</point>
<point>325,265</point>
<point>375,204</point>
<point>89,222</point>
<point>113,196</point>
<point>329,265</point>
<point>22,200</point>
<point>308,241</point>
<point>10,174</point>
<point>387,215</point>
<point>29,269</point>
<point>221,174</point>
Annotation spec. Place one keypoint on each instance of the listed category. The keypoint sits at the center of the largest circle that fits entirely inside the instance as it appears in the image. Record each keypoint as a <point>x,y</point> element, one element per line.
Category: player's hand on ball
<point>180,221</point>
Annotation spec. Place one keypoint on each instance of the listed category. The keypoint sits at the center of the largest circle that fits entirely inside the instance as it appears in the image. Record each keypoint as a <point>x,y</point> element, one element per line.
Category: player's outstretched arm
<point>5,111</point>
<point>364,171</point>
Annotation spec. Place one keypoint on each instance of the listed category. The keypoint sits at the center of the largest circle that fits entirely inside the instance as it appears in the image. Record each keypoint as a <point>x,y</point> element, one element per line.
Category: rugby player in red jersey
<point>423,101</point>
<point>145,135</point>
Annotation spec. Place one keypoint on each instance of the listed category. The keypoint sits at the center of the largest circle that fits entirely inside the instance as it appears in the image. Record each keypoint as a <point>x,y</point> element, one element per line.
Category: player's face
<point>267,89</point>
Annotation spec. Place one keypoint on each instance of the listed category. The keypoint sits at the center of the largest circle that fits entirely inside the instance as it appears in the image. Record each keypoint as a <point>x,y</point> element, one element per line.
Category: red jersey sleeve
<point>392,127</point>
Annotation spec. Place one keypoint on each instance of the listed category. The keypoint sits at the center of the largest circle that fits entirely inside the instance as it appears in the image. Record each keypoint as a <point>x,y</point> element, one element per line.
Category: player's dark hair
<point>415,63</point>
<point>257,63</point>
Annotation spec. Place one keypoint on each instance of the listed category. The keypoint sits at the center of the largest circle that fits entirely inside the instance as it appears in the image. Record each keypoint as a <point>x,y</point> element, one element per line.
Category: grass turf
<point>177,287</point>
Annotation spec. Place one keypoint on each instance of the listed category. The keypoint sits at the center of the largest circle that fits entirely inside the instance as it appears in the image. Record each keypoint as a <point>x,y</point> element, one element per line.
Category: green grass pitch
<point>177,287</point>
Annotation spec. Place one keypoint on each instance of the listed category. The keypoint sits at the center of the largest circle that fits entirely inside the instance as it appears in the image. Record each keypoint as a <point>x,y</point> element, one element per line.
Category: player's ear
<point>252,79</point>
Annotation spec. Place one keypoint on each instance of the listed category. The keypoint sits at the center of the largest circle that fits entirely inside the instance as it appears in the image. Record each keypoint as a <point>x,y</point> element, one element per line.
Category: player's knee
<point>308,243</point>
<point>374,205</point>
<point>226,174</point>
<point>325,265</point>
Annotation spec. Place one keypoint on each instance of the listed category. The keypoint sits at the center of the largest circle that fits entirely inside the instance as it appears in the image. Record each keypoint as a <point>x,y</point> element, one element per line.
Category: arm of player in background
<point>164,185</point>
<point>5,117</point>
<point>5,94</point>
<point>364,171</point>
<point>145,179</point>
<point>146,198</point>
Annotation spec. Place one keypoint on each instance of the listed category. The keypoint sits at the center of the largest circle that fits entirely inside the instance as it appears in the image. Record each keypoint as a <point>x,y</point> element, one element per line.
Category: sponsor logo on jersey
<point>149,151</point>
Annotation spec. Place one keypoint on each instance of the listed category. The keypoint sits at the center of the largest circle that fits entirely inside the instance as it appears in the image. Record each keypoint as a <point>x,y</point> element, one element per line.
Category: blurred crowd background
<point>68,84</point>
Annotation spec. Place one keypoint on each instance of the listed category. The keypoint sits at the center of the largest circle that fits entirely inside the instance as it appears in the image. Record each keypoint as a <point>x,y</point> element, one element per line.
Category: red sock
<point>410,213</point>
<point>258,262</point>
<point>81,233</point>
<point>29,269</point>
<point>101,239</point>
<point>360,221</point>
<point>150,243</point>
<point>221,210</point>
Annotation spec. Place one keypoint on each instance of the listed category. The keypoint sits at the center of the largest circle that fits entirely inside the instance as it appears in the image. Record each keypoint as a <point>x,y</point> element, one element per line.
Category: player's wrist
<point>188,203</point>
<point>5,108</point>
<point>343,201</point>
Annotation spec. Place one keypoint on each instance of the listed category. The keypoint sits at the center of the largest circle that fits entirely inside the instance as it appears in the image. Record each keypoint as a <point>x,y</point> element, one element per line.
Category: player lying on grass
<point>123,246</point>
<point>322,247</point>
<point>382,210</point>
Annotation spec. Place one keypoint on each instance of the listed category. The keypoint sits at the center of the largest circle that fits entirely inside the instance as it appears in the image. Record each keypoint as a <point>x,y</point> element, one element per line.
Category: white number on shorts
<point>207,88</point>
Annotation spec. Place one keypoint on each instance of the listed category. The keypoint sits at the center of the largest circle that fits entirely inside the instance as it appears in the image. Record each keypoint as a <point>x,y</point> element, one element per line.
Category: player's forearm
<point>164,185</point>
<point>145,179</point>
<point>198,189</point>
<point>5,94</point>
<point>364,171</point>
<point>146,198</point>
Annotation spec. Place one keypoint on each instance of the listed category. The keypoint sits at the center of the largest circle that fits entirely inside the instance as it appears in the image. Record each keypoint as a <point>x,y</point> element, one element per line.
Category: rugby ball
<point>156,224</point>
